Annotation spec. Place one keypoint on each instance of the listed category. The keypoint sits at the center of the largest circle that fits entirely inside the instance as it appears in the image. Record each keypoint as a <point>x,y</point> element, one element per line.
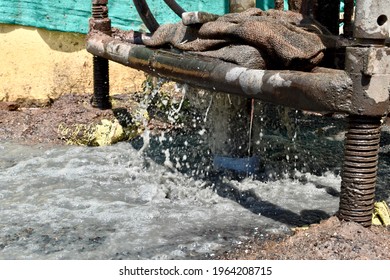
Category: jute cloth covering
<point>254,38</point>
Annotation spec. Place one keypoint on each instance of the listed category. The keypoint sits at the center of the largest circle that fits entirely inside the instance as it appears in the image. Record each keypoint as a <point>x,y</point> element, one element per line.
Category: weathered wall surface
<point>39,65</point>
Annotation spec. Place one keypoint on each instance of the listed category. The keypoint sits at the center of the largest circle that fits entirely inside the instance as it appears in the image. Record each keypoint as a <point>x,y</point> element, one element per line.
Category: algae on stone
<point>106,133</point>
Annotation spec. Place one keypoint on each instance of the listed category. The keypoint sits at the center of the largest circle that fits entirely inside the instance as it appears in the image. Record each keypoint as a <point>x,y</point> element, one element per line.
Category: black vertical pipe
<point>101,86</point>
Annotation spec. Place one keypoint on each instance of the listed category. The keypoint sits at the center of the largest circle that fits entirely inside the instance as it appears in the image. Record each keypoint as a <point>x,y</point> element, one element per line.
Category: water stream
<point>114,202</point>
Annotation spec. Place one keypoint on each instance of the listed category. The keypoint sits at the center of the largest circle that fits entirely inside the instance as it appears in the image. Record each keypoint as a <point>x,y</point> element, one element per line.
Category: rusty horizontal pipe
<point>323,91</point>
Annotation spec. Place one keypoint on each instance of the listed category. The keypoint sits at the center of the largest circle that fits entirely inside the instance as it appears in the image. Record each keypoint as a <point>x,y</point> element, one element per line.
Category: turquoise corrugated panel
<point>73,15</point>
<point>69,15</point>
<point>124,15</point>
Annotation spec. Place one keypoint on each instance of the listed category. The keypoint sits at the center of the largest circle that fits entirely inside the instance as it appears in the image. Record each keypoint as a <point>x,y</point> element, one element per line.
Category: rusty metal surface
<point>325,91</point>
<point>369,69</point>
<point>100,22</point>
<point>360,169</point>
<point>101,83</point>
<point>368,64</point>
<point>99,2</point>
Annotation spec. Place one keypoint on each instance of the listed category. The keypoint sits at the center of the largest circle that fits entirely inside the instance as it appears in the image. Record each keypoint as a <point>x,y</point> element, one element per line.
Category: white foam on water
<point>112,203</point>
<point>101,203</point>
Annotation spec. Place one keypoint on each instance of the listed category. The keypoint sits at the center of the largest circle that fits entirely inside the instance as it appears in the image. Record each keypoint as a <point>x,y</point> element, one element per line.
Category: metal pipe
<point>175,7</point>
<point>101,87</point>
<point>325,91</point>
<point>146,15</point>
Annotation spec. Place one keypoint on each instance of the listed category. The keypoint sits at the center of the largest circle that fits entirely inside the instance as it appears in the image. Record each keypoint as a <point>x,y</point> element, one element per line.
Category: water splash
<point>208,110</point>
<point>110,203</point>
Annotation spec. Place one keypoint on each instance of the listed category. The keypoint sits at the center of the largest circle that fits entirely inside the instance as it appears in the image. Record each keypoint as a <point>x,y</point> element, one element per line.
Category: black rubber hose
<point>175,7</point>
<point>146,15</point>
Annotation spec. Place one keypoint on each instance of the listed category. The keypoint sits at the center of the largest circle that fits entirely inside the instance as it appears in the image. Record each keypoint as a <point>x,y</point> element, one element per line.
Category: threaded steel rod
<point>359,173</point>
<point>101,86</point>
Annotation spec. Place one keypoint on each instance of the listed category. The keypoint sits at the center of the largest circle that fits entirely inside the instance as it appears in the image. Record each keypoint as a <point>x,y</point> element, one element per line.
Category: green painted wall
<point>72,15</point>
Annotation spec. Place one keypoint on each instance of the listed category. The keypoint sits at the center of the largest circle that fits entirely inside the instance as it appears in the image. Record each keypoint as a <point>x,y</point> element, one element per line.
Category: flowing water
<point>156,201</point>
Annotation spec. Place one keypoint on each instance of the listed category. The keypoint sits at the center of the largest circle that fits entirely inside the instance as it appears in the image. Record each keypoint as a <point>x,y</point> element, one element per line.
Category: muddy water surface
<point>112,202</point>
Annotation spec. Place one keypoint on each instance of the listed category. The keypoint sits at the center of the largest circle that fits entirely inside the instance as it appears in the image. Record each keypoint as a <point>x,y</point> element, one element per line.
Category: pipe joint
<point>369,69</point>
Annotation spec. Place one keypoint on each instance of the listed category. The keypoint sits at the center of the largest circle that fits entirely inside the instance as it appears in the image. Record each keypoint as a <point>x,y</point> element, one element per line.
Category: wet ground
<point>326,238</point>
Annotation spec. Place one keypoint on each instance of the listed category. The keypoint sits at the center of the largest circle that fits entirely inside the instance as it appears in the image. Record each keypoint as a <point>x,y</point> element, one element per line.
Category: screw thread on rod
<point>101,86</point>
<point>359,173</point>
<point>99,11</point>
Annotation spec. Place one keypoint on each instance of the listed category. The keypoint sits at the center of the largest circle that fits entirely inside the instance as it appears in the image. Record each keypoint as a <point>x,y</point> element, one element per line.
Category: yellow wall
<point>37,65</point>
